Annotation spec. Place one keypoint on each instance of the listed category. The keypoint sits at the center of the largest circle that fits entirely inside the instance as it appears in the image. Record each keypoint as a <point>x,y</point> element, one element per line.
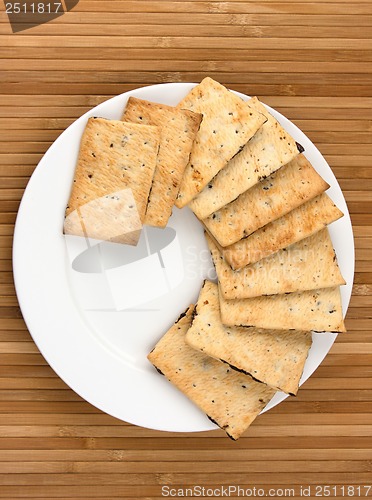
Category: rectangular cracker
<point>317,310</point>
<point>306,265</point>
<point>232,400</point>
<point>274,357</point>
<point>111,218</point>
<point>228,124</point>
<point>178,128</point>
<point>268,150</point>
<point>298,224</point>
<point>283,191</point>
<point>112,180</point>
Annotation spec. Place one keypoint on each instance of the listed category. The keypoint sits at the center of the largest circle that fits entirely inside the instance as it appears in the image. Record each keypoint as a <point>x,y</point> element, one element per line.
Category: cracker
<point>112,179</point>
<point>283,191</point>
<point>110,218</point>
<point>228,124</point>
<point>232,400</point>
<point>268,150</point>
<point>317,310</point>
<point>274,357</point>
<point>178,128</point>
<point>298,224</point>
<point>306,265</point>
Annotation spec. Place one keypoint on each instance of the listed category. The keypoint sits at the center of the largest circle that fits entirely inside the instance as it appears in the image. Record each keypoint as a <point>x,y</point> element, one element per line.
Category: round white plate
<point>95,313</point>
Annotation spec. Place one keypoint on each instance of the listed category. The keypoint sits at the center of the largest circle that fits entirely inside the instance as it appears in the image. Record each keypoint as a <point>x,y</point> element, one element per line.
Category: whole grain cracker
<point>317,310</point>
<point>274,357</point>
<point>306,265</point>
<point>228,124</point>
<point>268,150</point>
<point>232,400</point>
<point>178,128</point>
<point>298,224</point>
<point>114,173</point>
<point>283,191</point>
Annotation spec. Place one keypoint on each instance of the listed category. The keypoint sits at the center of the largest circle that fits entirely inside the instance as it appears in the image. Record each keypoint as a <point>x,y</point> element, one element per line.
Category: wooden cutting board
<point>309,59</point>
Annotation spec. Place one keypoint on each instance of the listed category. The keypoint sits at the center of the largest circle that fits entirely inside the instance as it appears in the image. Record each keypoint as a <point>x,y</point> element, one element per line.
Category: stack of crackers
<point>265,213</point>
<point>129,171</point>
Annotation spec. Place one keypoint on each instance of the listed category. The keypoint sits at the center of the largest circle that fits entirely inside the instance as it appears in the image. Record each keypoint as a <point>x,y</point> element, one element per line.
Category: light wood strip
<point>37,123</point>
<point>362,231</point>
<point>48,407</point>
<point>255,88</point>
<point>234,30</point>
<point>180,467</point>
<point>23,159</point>
<point>8,301</point>
<point>119,484</point>
<point>46,383</point>
<point>337,383</point>
<point>62,111</point>
<point>18,347</point>
<point>117,456</point>
<point>227,77</point>
<point>6,289</point>
<point>196,42</point>
<point>51,395</point>
<point>6,230</point>
<point>101,432</point>
<point>211,19</point>
<point>325,371</point>
<point>176,32</point>
<point>233,54</point>
<point>49,65</point>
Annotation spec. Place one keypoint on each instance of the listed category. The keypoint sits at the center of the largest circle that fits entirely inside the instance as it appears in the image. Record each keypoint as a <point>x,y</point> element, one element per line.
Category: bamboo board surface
<point>312,61</point>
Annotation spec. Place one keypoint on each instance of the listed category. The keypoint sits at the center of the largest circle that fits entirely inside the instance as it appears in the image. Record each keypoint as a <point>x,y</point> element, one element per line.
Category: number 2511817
<point>33,8</point>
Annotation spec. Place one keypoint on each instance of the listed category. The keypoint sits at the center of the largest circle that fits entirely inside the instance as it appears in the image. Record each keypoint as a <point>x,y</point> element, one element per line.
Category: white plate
<point>74,310</point>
